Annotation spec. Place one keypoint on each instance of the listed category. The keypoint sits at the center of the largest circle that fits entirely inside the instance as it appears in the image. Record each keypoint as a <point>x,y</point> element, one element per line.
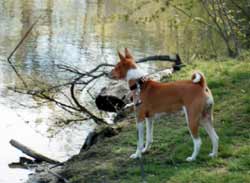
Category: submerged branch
<point>45,97</point>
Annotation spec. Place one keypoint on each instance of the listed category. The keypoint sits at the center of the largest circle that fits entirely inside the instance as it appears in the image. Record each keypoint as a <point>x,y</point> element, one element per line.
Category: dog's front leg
<point>149,134</point>
<point>140,132</point>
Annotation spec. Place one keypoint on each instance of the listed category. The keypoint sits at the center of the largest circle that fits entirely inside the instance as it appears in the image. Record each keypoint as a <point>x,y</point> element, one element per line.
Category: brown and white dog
<point>192,96</point>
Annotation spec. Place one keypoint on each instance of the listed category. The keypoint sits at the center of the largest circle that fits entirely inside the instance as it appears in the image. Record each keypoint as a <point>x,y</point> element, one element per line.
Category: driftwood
<point>28,151</point>
<point>23,163</point>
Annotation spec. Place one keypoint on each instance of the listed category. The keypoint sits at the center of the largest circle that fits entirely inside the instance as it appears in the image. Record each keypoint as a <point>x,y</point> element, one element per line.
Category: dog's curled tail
<point>199,78</point>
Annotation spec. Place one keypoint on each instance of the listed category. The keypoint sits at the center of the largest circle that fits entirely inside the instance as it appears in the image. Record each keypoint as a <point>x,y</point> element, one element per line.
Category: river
<point>81,33</point>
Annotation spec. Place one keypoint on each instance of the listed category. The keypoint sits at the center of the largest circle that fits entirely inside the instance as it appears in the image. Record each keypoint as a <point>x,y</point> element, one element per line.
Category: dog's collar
<point>138,83</point>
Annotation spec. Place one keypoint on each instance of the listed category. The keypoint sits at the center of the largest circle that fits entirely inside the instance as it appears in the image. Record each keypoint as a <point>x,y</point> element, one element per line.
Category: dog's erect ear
<point>127,53</point>
<point>120,55</point>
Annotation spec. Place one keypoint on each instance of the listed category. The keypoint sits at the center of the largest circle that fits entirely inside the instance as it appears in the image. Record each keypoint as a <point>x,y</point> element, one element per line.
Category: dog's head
<point>123,66</point>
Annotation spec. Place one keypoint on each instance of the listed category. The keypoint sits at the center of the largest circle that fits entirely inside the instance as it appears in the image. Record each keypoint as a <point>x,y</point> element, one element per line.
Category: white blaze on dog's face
<point>125,64</point>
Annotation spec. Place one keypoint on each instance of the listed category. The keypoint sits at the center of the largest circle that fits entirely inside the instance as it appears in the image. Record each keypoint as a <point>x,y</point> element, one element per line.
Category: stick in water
<point>17,46</point>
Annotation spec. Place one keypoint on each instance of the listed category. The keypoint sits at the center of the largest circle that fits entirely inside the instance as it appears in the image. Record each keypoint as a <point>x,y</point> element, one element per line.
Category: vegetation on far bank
<point>229,81</point>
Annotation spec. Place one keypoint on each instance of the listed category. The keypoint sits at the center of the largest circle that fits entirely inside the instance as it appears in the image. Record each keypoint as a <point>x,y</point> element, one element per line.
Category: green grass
<point>230,83</point>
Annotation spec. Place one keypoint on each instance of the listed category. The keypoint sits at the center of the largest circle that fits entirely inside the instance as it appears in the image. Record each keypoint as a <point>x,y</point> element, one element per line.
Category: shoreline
<point>44,173</point>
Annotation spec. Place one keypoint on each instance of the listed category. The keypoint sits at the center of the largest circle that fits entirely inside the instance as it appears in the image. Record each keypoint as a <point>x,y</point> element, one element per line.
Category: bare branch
<point>15,49</point>
<point>82,108</point>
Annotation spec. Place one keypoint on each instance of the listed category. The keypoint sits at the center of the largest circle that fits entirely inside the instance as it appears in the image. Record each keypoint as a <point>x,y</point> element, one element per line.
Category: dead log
<point>28,151</point>
<point>113,97</point>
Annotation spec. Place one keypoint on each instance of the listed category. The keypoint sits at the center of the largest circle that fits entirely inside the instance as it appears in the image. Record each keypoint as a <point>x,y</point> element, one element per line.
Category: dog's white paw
<point>212,155</point>
<point>135,155</point>
<point>145,149</point>
<point>189,159</point>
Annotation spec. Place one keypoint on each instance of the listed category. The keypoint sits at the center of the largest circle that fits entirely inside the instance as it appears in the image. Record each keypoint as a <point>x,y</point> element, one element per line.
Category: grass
<point>230,83</point>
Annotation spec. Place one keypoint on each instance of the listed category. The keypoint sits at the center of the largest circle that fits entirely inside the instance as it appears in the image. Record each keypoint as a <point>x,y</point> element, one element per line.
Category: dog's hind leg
<point>149,134</point>
<point>193,126</point>
<point>208,125</point>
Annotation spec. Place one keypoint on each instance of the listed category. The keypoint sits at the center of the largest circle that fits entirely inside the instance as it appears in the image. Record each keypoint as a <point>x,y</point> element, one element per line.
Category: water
<point>32,127</point>
<point>81,33</point>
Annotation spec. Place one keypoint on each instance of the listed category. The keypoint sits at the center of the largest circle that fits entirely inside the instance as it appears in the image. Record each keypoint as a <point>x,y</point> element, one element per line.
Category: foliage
<point>230,21</point>
<point>216,21</point>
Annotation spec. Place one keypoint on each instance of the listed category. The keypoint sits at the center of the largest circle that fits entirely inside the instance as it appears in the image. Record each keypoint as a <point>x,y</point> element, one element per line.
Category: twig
<point>17,46</point>
<point>82,108</point>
